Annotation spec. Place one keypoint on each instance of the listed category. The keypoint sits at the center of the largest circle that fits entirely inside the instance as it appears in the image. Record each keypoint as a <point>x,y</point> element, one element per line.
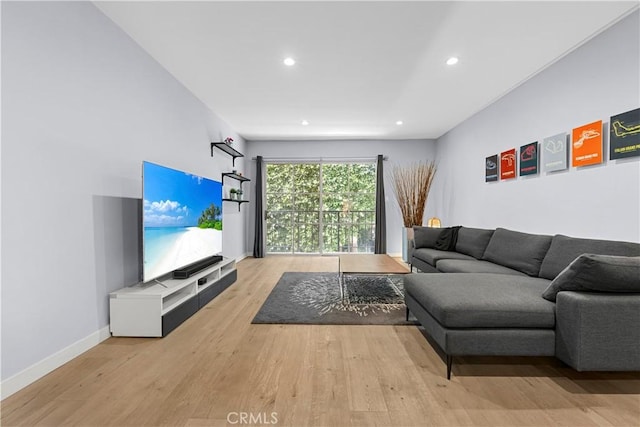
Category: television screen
<point>182,219</point>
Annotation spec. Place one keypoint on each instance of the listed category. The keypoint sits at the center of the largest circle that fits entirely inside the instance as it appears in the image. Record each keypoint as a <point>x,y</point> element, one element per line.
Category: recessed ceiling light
<point>452,61</point>
<point>289,62</point>
<point>399,122</point>
<point>305,123</point>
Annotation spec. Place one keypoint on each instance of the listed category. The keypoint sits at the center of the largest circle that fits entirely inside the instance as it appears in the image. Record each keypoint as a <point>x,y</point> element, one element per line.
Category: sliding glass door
<point>320,207</point>
<point>348,207</point>
<point>293,214</point>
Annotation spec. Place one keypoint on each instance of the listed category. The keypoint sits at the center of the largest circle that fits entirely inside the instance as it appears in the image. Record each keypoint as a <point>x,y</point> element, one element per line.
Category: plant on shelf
<point>229,141</point>
<point>233,194</point>
<point>239,193</point>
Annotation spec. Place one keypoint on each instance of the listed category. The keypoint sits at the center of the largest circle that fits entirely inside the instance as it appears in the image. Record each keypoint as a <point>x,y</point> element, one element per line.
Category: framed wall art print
<point>508,164</point>
<point>586,145</point>
<point>555,153</point>
<point>624,135</point>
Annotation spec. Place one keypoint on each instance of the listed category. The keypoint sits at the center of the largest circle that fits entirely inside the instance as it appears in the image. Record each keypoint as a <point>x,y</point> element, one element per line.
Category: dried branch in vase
<point>411,185</point>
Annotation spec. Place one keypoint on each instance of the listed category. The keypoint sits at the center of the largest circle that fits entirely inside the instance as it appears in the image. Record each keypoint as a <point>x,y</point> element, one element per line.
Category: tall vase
<point>407,235</point>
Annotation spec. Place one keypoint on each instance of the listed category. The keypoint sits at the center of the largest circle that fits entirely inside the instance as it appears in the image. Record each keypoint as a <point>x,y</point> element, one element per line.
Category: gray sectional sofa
<point>502,292</point>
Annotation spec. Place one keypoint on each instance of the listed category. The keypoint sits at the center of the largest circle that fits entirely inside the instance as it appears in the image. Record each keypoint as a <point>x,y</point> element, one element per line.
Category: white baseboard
<point>42,368</point>
<point>241,257</point>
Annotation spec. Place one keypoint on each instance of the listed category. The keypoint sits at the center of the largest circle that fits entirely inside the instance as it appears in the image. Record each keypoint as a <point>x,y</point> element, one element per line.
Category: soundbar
<point>191,269</point>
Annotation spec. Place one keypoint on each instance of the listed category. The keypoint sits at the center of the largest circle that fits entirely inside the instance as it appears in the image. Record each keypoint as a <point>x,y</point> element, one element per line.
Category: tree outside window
<point>320,208</point>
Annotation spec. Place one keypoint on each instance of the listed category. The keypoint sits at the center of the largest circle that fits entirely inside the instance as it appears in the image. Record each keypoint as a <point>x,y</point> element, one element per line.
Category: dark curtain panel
<point>381,216</point>
<point>258,242</point>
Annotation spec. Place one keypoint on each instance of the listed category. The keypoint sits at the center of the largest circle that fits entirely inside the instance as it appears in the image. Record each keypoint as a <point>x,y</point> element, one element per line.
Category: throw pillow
<point>425,237</point>
<point>521,251</point>
<point>473,241</point>
<point>564,250</point>
<point>600,273</point>
<point>448,238</point>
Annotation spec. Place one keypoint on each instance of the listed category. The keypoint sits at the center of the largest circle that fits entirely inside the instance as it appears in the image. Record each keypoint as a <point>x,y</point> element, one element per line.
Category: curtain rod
<point>319,159</point>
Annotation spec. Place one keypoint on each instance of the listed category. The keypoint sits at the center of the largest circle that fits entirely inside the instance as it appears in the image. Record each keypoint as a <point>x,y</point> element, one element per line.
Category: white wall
<point>598,80</point>
<point>83,106</point>
<point>398,152</point>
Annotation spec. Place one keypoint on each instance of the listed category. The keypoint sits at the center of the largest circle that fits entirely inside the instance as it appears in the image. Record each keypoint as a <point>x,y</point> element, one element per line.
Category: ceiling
<point>360,66</point>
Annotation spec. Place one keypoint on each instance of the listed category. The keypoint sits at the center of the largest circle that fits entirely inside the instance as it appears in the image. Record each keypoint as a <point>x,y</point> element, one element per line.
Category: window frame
<point>320,211</point>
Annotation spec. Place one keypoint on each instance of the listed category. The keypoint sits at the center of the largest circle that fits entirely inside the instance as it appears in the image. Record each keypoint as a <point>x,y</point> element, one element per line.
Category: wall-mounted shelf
<point>227,149</point>
<point>239,202</point>
<point>242,180</point>
<point>235,176</point>
<point>233,153</point>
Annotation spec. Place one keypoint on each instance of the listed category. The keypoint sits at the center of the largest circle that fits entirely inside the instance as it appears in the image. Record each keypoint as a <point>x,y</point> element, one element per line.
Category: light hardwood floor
<point>218,363</point>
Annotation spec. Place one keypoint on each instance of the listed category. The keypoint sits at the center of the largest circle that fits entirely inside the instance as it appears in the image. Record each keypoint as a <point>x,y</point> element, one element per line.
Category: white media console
<point>154,309</point>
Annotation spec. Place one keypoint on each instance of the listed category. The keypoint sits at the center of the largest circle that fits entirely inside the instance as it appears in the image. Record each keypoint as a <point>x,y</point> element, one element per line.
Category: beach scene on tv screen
<point>182,219</point>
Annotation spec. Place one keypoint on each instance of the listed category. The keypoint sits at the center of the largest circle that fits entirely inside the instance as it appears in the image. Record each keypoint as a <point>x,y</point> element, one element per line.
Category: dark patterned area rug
<point>317,298</point>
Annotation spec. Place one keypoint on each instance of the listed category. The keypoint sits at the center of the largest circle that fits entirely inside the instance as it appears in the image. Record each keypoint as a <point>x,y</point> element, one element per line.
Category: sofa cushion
<point>473,241</point>
<point>474,266</point>
<point>425,237</point>
<point>447,239</point>
<point>461,300</point>
<point>564,250</point>
<point>431,256</point>
<point>604,273</point>
<point>521,251</point>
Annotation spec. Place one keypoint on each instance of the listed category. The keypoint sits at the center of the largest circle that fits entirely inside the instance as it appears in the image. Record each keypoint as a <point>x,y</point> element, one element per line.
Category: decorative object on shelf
<point>228,140</point>
<point>434,222</point>
<point>235,194</point>
<point>234,171</point>
<point>624,136</point>
<point>411,185</point>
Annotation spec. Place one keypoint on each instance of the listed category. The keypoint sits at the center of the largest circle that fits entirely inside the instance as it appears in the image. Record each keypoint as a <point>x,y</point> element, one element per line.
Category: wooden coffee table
<point>369,264</point>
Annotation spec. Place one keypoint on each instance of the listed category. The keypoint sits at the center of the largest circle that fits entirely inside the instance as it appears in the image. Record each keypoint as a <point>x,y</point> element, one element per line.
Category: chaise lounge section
<point>506,293</point>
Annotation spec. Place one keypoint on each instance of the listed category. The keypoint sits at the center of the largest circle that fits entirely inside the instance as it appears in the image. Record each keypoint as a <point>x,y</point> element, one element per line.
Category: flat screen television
<point>182,219</point>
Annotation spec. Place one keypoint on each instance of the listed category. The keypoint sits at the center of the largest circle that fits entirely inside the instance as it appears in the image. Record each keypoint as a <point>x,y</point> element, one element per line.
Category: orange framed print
<point>587,145</point>
<point>508,164</point>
